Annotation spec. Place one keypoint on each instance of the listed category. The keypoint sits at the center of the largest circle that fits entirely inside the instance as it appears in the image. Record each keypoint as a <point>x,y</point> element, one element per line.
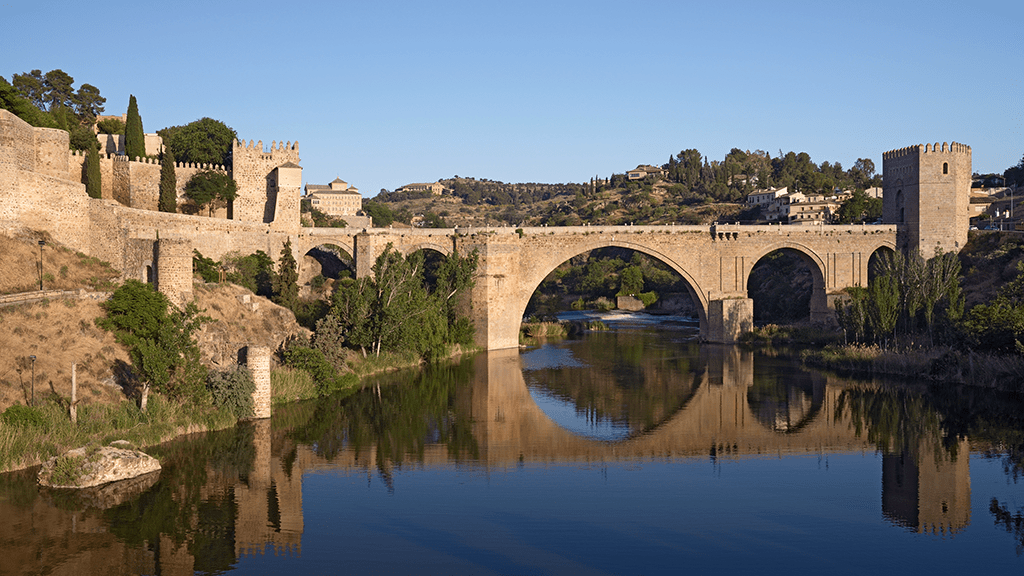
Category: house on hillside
<point>644,170</point>
<point>434,188</point>
<point>763,197</point>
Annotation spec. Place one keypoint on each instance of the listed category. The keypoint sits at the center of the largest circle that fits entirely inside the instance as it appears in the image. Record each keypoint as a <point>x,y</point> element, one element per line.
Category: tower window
<point>945,167</point>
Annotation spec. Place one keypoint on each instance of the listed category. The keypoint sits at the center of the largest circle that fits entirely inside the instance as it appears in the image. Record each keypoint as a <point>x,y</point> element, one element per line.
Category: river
<point>629,451</point>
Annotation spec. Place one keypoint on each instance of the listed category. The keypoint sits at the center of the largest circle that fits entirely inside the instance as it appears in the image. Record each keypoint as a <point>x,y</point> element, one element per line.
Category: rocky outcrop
<point>87,467</point>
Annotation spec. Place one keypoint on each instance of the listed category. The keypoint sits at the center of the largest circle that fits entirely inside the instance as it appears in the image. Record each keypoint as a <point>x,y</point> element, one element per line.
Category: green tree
<point>93,183</point>
<point>210,189</point>
<point>205,141</point>
<point>884,295</point>
<point>852,210</point>
<point>631,281</point>
<point>134,137</point>
<point>286,280</point>
<point>393,310</point>
<point>161,341</point>
<point>87,103</point>
<point>110,126</point>
<point>30,85</point>
<point>168,184</point>
<point>255,272</point>
<point>382,215</point>
<point>13,100</point>
<point>58,90</point>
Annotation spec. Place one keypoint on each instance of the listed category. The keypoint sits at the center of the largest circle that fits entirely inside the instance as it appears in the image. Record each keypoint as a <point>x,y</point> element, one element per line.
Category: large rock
<point>86,467</point>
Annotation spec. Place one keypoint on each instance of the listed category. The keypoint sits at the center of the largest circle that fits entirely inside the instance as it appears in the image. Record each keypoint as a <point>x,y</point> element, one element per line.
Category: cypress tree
<point>286,281</point>
<point>93,183</point>
<point>134,137</point>
<point>168,184</point>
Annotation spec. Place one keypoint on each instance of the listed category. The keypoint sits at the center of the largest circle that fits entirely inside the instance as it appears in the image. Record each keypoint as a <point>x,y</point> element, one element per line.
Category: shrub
<point>160,340</point>
<point>23,416</point>
<point>233,389</point>
<point>312,361</point>
<point>205,267</point>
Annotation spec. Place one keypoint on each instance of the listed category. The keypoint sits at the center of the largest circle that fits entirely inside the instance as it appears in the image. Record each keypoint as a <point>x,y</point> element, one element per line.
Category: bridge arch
<point>547,261</point>
<point>818,302</point>
<point>409,249</point>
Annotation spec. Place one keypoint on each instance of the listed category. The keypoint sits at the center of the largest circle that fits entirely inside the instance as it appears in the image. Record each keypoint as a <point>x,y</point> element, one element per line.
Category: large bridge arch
<point>543,263</point>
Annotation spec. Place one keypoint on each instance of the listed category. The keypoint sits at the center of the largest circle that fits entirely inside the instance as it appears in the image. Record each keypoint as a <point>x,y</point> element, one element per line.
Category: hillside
<point>497,204</point>
<point>62,332</point>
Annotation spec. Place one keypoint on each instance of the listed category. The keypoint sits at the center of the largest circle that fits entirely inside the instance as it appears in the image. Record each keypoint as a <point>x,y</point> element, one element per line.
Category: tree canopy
<point>210,189</point>
<point>205,141</point>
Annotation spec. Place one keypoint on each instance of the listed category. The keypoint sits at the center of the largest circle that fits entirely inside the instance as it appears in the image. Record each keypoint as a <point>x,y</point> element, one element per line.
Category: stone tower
<point>255,171</point>
<point>926,192</point>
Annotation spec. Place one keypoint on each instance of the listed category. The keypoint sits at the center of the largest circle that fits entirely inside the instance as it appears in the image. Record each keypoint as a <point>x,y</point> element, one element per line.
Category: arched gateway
<point>715,261</point>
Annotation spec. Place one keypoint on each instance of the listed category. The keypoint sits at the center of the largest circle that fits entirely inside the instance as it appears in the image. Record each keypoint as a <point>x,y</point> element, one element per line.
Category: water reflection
<point>237,493</point>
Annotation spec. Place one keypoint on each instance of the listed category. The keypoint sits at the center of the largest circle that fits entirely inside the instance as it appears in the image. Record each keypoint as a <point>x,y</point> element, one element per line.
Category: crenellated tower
<point>926,192</point>
<point>264,179</point>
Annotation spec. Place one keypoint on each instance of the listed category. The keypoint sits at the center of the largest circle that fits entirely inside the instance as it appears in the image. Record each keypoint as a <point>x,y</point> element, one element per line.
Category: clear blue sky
<point>382,93</point>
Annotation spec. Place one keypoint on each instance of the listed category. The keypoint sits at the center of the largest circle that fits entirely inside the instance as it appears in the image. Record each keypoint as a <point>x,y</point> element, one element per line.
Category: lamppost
<point>41,244</point>
<point>33,359</point>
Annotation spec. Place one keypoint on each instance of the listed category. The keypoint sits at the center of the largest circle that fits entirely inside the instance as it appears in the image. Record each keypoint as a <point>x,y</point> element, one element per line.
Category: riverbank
<point>938,364</point>
<point>31,435</point>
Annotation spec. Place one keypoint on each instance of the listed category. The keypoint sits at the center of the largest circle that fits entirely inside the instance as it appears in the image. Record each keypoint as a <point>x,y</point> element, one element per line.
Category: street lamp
<point>33,359</point>
<point>41,244</point>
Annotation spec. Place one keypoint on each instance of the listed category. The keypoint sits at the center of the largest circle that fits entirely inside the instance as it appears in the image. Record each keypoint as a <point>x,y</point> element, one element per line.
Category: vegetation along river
<point>629,451</point>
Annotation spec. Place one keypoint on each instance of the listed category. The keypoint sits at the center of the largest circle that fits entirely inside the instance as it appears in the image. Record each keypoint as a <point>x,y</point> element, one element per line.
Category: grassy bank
<point>533,333</point>
<point>1004,372</point>
<point>30,435</point>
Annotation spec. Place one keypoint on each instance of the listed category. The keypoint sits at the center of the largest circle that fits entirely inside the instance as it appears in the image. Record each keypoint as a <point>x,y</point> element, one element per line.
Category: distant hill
<point>688,189</point>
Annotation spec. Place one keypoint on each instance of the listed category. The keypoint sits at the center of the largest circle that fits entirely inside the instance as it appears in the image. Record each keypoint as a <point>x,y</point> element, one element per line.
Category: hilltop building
<point>434,188</point>
<point>644,170</point>
<point>335,199</point>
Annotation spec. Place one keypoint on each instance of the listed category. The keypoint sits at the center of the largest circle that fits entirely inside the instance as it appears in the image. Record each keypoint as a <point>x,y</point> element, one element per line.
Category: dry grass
<point>63,268</point>
<point>1004,372</point>
<point>236,325</point>
<point>58,333</point>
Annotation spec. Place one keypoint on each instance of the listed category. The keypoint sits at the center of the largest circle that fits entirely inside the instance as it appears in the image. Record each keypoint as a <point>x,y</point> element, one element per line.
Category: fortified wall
<point>136,183</point>
<point>41,189</point>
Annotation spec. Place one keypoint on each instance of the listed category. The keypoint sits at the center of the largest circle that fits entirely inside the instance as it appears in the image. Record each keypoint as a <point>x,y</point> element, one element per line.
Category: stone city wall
<point>137,183</point>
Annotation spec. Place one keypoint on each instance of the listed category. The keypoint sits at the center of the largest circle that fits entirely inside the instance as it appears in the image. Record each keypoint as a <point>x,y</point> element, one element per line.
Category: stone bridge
<point>715,261</point>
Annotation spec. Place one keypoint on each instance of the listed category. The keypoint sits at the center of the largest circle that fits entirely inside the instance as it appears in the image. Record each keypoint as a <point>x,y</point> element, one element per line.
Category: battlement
<point>258,148</point>
<point>917,150</point>
<point>154,161</point>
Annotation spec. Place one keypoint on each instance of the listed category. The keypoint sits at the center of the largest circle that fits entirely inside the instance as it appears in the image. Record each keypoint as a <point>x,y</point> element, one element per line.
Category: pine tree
<point>93,179</point>
<point>168,184</point>
<point>134,137</point>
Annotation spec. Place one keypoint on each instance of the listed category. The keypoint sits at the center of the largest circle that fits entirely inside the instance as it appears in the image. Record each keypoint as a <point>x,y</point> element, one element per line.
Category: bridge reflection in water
<point>254,505</point>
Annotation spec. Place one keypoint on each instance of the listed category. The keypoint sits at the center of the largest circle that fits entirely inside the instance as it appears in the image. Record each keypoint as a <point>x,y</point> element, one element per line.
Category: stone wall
<point>137,183</point>
<point>113,144</point>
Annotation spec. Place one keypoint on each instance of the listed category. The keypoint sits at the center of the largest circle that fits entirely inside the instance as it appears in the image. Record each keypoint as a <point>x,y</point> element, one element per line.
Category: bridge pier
<point>727,319</point>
